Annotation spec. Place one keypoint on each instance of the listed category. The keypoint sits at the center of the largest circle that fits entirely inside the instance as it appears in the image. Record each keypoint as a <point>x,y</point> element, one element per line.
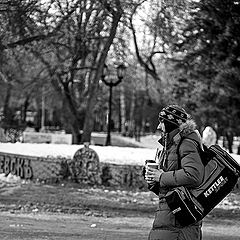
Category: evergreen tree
<point>210,47</point>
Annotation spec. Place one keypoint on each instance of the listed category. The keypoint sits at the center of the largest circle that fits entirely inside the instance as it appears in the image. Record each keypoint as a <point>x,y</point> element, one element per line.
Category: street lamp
<point>120,74</point>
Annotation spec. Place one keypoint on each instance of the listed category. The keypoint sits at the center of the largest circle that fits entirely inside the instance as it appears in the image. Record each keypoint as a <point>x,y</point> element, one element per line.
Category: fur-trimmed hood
<point>187,127</point>
<point>189,130</point>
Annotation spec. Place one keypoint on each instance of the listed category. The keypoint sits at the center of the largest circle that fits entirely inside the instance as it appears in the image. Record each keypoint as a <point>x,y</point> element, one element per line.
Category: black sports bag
<point>220,176</point>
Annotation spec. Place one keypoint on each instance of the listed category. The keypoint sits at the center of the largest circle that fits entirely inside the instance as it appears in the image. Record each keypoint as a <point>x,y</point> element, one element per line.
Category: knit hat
<point>173,114</point>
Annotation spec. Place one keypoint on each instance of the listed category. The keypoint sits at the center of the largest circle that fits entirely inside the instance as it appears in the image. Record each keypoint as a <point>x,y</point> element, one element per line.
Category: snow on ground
<point>230,202</point>
<point>40,150</point>
<point>115,155</point>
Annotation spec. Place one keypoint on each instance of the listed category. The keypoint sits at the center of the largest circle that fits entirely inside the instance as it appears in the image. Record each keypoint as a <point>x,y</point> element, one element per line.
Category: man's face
<point>161,128</point>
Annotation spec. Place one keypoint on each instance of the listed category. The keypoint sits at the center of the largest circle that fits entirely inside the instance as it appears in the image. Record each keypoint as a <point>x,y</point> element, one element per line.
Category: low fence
<point>85,167</point>
<point>29,167</point>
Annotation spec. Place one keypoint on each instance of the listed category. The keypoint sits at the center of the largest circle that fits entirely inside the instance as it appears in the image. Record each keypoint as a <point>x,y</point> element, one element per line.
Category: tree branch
<point>152,70</point>
<point>38,37</point>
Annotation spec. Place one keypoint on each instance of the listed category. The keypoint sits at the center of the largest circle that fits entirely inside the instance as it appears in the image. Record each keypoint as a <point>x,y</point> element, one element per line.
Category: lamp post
<point>120,74</point>
<point>43,110</point>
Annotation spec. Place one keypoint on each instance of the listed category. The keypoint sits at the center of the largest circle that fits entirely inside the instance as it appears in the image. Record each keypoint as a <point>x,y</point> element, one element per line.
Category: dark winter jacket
<point>189,173</point>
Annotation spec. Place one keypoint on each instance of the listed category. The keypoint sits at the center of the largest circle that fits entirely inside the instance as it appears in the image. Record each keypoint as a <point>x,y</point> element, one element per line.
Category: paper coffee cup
<point>152,165</point>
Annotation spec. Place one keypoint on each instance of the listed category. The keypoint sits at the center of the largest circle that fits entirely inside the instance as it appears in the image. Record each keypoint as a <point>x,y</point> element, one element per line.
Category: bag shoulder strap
<point>201,152</point>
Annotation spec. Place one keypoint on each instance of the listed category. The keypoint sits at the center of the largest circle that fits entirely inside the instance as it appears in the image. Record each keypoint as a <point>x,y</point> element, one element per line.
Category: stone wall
<point>85,167</point>
<point>30,167</point>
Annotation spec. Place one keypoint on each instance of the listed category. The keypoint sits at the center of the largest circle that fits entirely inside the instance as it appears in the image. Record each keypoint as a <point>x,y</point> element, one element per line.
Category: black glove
<point>154,187</point>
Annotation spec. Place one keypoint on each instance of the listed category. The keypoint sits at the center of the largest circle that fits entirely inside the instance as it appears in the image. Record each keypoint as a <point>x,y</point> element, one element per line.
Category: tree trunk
<point>122,110</point>
<point>76,135</point>
<point>24,109</point>
<point>89,121</point>
<point>6,110</point>
<point>131,125</point>
<point>91,101</point>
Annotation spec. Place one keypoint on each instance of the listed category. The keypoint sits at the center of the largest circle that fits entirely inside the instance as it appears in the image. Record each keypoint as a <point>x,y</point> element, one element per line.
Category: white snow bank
<point>115,155</point>
<point>40,150</point>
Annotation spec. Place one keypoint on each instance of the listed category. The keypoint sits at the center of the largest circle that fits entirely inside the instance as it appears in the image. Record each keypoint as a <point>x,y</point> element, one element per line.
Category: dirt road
<point>75,227</point>
<point>67,212</point>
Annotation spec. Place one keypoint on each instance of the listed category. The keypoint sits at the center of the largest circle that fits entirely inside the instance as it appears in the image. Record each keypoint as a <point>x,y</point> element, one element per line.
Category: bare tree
<point>74,57</point>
